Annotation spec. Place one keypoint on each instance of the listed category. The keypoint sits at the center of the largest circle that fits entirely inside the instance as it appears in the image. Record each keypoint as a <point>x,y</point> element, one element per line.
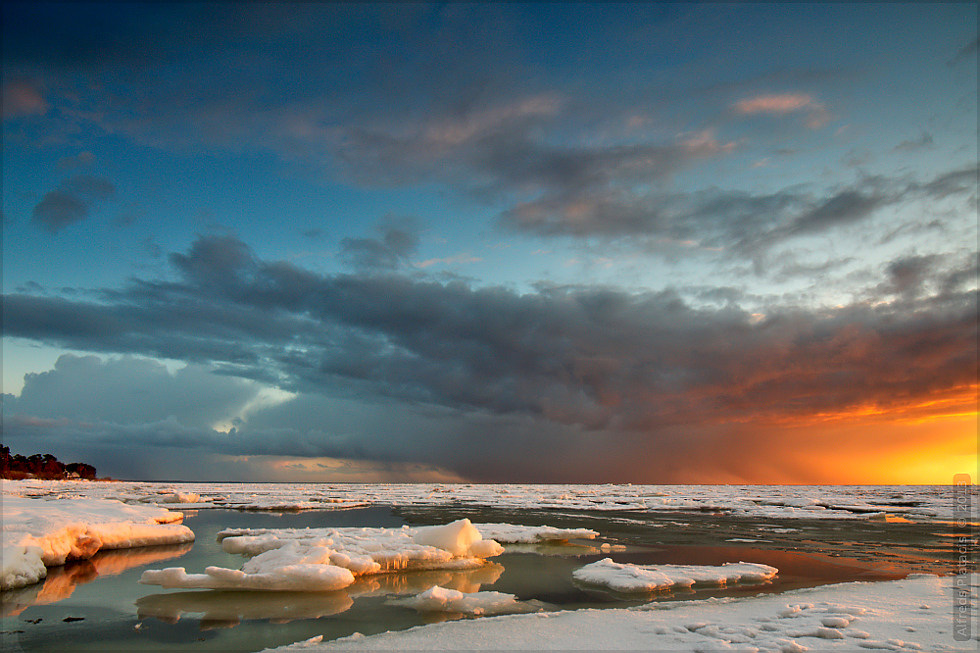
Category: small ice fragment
<point>829,633</point>
<point>441,599</point>
<point>793,647</point>
<point>835,622</point>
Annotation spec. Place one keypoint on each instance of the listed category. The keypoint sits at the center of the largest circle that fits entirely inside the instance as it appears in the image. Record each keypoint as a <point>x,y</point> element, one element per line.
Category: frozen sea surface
<point>814,536</point>
<point>919,502</point>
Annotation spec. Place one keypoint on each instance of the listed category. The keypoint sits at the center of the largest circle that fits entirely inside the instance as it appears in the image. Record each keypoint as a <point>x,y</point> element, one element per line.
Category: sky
<point>492,242</point>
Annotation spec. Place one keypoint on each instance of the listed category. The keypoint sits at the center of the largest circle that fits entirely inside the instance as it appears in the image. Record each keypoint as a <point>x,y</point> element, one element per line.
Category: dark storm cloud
<point>71,202</point>
<point>595,358</point>
<point>487,382</point>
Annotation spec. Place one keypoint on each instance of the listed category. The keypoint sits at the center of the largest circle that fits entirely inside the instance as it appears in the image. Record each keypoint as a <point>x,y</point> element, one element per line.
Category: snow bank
<point>904,615</point>
<point>650,578</point>
<point>513,533</point>
<point>324,559</point>
<point>43,533</point>
<point>441,599</point>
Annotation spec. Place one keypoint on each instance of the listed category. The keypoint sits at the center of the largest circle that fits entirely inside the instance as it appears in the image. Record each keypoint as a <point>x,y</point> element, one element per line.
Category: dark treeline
<point>40,466</point>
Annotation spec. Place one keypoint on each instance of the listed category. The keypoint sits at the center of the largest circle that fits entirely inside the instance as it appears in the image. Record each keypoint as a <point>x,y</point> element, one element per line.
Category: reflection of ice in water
<point>62,581</point>
<point>222,608</point>
<point>413,582</point>
<point>229,608</point>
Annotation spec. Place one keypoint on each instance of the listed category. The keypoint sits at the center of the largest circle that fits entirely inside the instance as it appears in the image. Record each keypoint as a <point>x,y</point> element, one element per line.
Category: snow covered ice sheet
<point>650,578</point>
<point>39,533</point>
<point>903,615</point>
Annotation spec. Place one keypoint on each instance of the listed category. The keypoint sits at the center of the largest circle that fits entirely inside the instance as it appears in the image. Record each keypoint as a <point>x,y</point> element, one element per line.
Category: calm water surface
<point>99,605</point>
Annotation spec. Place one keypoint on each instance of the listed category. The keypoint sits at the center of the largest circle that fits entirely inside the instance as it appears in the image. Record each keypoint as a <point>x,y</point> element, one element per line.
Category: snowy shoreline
<point>913,614</point>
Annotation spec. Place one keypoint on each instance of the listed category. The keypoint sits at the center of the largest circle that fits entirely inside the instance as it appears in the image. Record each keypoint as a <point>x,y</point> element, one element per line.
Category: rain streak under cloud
<point>599,243</point>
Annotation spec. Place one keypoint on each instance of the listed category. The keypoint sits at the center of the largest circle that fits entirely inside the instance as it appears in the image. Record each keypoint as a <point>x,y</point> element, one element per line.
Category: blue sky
<point>379,233</point>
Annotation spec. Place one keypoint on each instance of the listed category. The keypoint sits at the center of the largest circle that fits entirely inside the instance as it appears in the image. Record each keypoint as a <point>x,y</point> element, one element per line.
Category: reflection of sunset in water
<point>225,609</point>
<point>62,581</point>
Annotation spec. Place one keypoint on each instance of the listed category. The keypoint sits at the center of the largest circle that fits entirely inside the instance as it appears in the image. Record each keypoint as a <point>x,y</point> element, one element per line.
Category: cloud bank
<point>457,375</point>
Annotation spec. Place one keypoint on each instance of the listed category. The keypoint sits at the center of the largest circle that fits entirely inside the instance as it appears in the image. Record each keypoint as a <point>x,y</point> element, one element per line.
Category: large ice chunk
<point>456,537</point>
<point>40,533</point>
<point>649,578</point>
<point>322,559</point>
<point>297,577</point>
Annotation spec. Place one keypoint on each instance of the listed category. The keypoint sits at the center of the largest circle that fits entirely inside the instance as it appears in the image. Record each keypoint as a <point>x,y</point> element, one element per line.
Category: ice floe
<point>861,615</point>
<point>650,578</point>
<point>39,533</point>
<point>516,534</point>
<point>325,559</point>
<point>223,608</point>
<point>441,599</point>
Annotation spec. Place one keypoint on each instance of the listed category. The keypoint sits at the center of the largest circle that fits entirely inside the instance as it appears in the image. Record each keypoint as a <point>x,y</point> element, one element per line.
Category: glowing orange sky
<point>926,440</point>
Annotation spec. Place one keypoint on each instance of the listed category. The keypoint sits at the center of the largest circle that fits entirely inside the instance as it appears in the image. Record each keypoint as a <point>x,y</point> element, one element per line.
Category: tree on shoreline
<point>44,466</point>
